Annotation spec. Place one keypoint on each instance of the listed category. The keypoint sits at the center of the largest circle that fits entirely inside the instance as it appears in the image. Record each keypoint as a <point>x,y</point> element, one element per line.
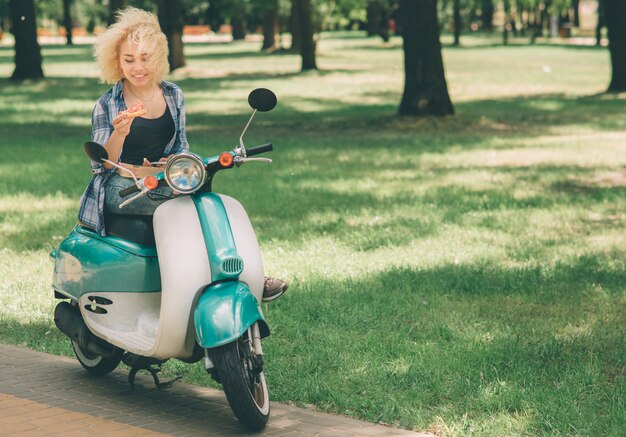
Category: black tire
<point>95,364</point>
<point>246,390</point>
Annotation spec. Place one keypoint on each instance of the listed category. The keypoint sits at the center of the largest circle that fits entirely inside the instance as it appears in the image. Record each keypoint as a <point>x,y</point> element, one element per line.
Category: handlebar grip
<point>260,149</point>
<point>130,190</point>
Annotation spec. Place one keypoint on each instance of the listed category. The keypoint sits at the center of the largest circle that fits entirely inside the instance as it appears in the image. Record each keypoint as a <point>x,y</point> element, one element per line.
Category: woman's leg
<point>144,205</point>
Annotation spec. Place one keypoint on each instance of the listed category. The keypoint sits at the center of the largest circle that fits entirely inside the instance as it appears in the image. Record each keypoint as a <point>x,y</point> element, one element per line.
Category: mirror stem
<point>122,168</point>
<point>243,148</point>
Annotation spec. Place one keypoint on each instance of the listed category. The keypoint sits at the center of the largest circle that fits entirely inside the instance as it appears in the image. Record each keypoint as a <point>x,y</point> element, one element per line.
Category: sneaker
<point>273,289</point>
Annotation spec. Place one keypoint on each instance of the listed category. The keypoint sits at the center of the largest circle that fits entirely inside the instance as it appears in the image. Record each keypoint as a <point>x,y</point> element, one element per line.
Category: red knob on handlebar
<point>226,159</point>
<point>151,182</point>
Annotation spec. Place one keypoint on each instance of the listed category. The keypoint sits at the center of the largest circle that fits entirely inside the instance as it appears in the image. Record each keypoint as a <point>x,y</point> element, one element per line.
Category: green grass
<point>463,275</point>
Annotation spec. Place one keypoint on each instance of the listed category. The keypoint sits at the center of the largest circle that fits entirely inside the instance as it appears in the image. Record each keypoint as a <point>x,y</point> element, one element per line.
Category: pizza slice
<point>137,110</point>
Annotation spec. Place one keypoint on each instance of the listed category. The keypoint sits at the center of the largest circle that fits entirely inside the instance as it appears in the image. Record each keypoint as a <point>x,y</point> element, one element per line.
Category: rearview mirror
<point>95,151</point>
<point>262,99</point>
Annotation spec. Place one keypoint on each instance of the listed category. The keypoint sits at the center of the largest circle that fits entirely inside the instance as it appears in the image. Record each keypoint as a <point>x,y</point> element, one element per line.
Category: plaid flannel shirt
<point>91,211</point>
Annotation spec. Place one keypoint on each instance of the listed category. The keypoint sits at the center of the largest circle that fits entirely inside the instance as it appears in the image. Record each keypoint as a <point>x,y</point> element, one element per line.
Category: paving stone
<point>52,395</point>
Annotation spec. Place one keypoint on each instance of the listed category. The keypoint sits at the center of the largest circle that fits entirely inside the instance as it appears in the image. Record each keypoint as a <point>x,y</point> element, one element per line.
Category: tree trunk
<point>601,22</point>
<point>307,43</point>
<point>513,22</point>
<point>487,15</point>
<point>425,88</point>
<point>537,23</point>
<point>519,17</point>
<point>296,40</point>
<point>214,16</point>
<point>507,22</point>
<point>67,21</point>
<point>616,26</point>
<point>171,21</point>
<point>27,51</point>
<point>114,6</point>
<point>270,26</point>
<point>576,8</point>
<point>377,16</point>
<point>372,17</point>
<point>239,22</point>
<point>457,22</point>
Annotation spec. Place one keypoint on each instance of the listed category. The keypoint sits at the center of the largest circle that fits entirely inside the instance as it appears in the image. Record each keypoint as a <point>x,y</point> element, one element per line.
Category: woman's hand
<point>121,125</point>
<point>147,163</point>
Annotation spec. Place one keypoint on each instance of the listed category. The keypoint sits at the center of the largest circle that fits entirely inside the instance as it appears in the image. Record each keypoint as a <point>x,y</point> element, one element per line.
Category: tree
<point>425,88</point>
<point>576,10</point>
<point>306,33</point>
<point>214,15</point>
<point>171,21</point>
<point>27,50</point>
<point>616,24</point>
<point>601,22</point>
<point>457,22</point>
<point>507,21</point>
<point>294,21</point>
<point>522,8</point>
<point>67,21</point>
<point>269,11</point>
<point>487,11</point>
<point>539,20</point>
<point>238,19</point>
<point>114,6</point>
<point>377,14</point>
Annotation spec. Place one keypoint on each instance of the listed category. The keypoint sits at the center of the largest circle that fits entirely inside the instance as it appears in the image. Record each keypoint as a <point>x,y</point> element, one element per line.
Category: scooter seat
<point>135,228</point>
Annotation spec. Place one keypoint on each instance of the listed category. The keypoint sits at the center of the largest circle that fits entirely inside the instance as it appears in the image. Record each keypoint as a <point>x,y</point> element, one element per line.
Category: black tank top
<point>148,138</point>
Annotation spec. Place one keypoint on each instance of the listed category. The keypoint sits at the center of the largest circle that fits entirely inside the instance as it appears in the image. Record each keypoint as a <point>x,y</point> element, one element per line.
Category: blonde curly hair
<point>136,26</point>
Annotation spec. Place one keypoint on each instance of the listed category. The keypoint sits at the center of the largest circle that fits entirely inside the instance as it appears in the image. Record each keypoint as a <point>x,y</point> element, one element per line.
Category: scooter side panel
<point>224,312</point>
<point>83,264</point>
<point>127,320</point>
<point>247,246</point>
<point>185,272</point>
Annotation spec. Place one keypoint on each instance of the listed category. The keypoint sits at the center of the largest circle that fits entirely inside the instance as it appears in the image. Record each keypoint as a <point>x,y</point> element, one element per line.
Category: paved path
<point>43,395</point>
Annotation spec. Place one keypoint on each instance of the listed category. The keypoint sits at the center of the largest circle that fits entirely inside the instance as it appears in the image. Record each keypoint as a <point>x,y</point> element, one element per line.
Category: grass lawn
<point>463,275</point>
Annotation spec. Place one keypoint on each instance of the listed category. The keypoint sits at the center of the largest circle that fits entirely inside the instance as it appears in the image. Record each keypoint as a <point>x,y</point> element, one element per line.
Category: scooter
<point>186,283</point>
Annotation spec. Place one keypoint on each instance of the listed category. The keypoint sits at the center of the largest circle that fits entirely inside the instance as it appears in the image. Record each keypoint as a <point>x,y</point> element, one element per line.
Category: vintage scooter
<point>185,283</point>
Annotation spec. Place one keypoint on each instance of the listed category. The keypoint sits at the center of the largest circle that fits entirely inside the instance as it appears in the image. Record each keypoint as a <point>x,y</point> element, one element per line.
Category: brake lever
<point>240,160</point>
<point>135,197</point>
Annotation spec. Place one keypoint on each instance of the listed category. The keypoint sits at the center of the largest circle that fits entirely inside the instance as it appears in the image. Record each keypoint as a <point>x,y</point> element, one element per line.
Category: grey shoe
<point>273,289</point>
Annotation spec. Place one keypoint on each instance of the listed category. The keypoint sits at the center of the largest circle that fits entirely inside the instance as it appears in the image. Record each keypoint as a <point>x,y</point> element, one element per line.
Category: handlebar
<point>259,149</point>
<point>250,152</point>
<point>130,190</point>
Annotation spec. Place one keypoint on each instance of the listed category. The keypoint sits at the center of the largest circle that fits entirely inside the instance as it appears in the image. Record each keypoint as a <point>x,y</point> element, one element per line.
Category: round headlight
<point>185,173</point>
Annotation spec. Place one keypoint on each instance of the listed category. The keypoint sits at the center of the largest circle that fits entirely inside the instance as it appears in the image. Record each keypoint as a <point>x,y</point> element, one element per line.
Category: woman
<point>132,56</point>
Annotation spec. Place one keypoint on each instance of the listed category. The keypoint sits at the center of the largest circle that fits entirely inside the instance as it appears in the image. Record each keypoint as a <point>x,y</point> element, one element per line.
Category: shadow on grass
<point>504,116</point>
<point>51,89</point>
<point>481,340</point>
<point>230,55</point>
<point>435,210</point>
<point>431,209</point>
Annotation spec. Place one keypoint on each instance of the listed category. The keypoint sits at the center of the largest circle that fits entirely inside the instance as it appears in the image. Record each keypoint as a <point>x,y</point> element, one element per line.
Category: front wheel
<point>243,382</point>
<point>95,364</point>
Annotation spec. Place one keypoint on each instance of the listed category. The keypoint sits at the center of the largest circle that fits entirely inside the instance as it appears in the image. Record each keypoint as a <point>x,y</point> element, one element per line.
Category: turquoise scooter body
<point>86,262</point>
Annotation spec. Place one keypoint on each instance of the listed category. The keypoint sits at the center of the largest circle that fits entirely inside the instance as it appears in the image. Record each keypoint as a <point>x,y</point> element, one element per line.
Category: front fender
<point>224,312</point>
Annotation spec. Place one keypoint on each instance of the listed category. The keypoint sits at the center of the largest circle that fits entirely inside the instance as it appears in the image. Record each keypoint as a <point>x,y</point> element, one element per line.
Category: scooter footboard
<point>224,312</point>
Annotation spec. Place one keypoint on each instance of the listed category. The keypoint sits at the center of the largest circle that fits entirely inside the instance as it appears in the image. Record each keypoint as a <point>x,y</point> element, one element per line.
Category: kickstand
<point>153,371</point>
